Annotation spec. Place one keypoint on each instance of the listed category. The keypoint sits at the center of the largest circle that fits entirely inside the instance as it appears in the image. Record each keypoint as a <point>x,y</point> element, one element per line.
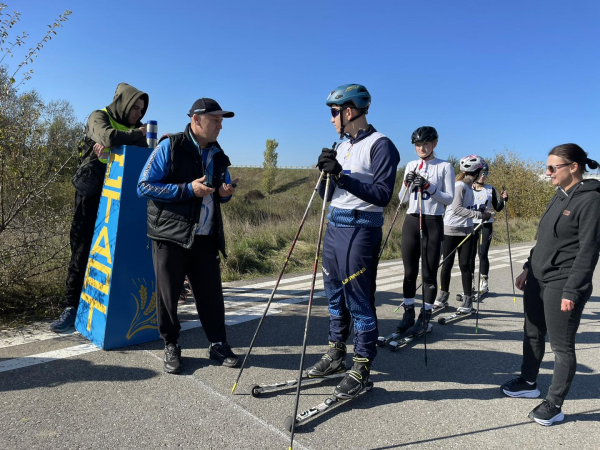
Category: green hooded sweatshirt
<point>100,130</point>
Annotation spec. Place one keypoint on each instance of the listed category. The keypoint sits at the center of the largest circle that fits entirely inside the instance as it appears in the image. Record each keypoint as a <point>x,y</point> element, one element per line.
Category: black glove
<point>486,215</point>
<point>421,182</point>
<point>410,177</point>
<point>328,163</point>
<point>481,208</point>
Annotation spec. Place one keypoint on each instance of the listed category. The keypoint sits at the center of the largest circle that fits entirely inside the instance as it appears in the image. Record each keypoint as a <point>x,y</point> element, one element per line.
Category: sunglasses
<point>335,112</point>
<point>554,167</point>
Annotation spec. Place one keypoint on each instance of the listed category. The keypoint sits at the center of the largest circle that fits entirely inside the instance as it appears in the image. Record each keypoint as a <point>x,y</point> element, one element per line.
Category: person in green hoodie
<point>557,279</point>
<point>117,124</point>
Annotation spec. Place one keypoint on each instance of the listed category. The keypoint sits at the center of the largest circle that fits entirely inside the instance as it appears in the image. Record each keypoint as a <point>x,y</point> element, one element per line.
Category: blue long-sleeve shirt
<point>152,185</point>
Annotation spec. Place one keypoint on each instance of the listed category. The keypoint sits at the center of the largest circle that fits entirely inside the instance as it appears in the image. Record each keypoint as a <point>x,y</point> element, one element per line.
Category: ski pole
<point>287,259</point>
<point>394,220</point>
<point>451,253</point>
<point>310,299</point>
<point>512,277</point>
<point>478,280</point>
<point>422,266</point>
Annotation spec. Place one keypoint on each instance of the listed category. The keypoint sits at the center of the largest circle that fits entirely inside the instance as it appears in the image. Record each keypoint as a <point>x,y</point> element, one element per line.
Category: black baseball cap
<point>208,106</point>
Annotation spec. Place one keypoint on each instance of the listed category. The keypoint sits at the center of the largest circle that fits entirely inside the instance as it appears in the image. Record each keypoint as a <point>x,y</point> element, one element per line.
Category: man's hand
<point>486,215</point>
<point>567,305</point>
<point>521,280</point>
<point>504,195</point>
<point>201,190</point>
<point>143,129</point>
<point>100,151</point>
<point>328,163</point>
<point>228,189</point>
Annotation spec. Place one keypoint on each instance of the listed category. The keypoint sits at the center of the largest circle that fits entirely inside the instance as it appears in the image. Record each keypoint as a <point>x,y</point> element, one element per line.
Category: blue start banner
<point>117,306</point>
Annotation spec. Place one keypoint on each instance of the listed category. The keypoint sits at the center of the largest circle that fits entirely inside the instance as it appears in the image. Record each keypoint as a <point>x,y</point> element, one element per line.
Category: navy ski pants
<point>350,258</point>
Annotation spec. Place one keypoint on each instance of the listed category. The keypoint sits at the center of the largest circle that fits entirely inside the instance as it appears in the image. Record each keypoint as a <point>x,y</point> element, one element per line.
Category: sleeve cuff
<point>570,296</point>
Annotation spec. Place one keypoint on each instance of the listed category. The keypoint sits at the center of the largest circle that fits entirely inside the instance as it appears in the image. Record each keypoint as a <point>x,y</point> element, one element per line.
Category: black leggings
<point>433,235</point>
<point>465,252</point>
<point>482,248</point>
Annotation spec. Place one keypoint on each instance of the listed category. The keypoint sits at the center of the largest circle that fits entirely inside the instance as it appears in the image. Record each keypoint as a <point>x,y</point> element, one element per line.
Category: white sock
<point>409,301</point>
<point>428,307</point>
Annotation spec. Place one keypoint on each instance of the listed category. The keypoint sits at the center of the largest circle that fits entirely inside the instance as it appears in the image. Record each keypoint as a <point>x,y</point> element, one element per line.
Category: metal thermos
<point>152,133</point>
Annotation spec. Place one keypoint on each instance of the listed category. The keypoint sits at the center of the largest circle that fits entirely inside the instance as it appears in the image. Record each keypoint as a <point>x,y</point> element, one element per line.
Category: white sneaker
<point>483,287</point>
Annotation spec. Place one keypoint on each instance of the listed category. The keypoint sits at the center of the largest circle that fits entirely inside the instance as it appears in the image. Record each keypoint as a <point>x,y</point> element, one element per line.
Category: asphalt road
<point>59,392</point>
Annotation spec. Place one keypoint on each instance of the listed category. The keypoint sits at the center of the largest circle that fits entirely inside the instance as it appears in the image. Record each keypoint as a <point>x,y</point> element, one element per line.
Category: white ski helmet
<point>472,163</point>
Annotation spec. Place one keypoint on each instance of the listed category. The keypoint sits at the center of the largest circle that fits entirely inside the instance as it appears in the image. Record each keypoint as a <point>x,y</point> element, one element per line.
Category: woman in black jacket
<point>557,279</point>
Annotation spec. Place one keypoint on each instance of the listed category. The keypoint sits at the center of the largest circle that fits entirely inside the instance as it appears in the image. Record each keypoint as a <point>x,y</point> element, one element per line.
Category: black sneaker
<point>332,362</point>
<point>355,380</point>
<point>172,358</point>
<point>422,323</point>
<point>520,388</point>
<point>65,321</point>
<point>408,319</point>
<point>546,414</point>
<point>223,354</point>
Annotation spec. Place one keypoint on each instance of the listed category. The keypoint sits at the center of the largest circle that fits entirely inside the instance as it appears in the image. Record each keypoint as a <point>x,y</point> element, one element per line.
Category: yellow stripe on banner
<point>94,304</point>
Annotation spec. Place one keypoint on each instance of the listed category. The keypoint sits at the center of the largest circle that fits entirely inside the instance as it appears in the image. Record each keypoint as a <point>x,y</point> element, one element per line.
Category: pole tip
<point>233,388</point>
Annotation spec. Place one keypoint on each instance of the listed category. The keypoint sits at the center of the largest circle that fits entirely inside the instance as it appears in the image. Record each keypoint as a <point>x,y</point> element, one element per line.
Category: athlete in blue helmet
<point>363,171</point>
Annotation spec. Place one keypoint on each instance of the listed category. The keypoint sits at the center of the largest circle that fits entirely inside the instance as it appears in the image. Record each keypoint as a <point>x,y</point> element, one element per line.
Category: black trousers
<point>82,233</point>
<point>433,235</point>
<point>464,261</point>
<point>482,248</point>
<point>543,315</point>
<point>201,264</point>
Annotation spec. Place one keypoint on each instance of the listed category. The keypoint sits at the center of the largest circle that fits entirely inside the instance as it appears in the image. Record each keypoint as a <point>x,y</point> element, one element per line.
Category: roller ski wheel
<point>442,320</point>
<point>328,404</point>
<point>288,423</point>
<point>255,391</point>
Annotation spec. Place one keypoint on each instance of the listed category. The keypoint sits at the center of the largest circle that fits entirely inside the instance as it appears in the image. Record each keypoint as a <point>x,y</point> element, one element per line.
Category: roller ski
<point>408,320</point>
<point>355,382</point>
<point>331,365</point>
<point>464,310</point>
<point>421,327</point>
<point>257,389</point>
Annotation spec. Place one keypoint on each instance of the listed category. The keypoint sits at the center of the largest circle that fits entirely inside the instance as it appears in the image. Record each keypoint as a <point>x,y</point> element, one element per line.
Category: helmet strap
<point>342,133</point>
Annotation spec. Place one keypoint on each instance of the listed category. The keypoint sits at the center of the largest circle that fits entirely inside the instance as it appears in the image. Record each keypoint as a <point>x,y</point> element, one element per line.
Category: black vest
<point>177,221</point>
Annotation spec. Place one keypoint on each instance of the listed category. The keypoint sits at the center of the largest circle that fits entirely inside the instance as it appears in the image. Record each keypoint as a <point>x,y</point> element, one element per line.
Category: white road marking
<point>388,279</point>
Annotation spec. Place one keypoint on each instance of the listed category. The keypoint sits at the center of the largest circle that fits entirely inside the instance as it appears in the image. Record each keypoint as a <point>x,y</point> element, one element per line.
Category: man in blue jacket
<point>185,181</point>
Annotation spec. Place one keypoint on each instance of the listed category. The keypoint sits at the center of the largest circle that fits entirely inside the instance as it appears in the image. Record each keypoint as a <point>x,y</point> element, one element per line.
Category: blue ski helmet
<point>350,93</point>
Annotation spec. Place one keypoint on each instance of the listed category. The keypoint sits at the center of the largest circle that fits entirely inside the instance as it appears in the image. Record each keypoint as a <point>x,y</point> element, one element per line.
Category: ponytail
<point>591,163</point>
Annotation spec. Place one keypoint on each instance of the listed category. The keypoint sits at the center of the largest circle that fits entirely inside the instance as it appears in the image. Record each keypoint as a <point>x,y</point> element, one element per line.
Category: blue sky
<point>490,76</point>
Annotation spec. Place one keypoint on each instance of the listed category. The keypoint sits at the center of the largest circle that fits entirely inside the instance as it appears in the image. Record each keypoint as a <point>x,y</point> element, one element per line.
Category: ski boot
<point>332,362</point>
<point>408,319</point>
<point>467,305</point>
<point>484,287</point>
<point>355,380</point>
<point>422,323</point>
<point>442,300</point>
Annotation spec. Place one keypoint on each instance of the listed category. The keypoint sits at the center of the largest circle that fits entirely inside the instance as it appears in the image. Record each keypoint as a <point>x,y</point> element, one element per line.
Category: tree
<point>37,156</point>
<point>270,166</point>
